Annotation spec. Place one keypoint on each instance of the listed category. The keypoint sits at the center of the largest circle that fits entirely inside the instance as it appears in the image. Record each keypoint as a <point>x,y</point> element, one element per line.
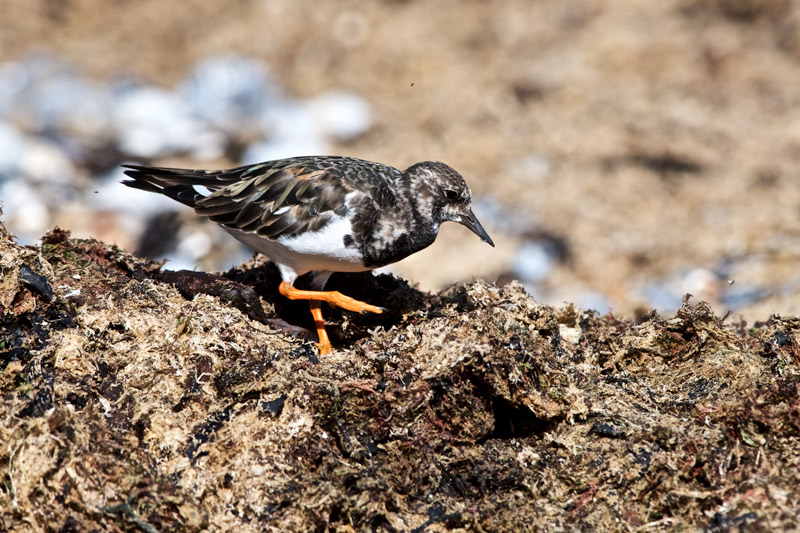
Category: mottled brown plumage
<point>285,197</point>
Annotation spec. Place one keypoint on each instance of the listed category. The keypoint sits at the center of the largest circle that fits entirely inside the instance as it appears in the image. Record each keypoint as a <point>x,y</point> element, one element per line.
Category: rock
<point>230,93</point>
<point>342,115</point>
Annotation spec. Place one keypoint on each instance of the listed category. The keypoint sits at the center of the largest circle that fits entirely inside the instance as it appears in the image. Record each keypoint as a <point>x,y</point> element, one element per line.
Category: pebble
<point>230,93</point>
<point>533,262</point>
<point>661,296</point>
<point>666,295</point>
<point>289,131</point>
<point>11,143</point>
<point>341,114</point>
<point>150,122</point>
<point>41,160</point>
<point>594,300</point>
<point>24,212</point>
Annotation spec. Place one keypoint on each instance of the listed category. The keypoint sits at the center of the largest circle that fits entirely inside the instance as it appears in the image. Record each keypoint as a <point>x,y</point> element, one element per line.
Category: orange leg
<point>315,299</point>
<point>324,343</point>
<point>332,297</point>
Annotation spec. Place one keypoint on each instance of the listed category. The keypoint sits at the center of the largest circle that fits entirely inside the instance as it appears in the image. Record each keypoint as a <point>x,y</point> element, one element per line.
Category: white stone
<point>343,115</point>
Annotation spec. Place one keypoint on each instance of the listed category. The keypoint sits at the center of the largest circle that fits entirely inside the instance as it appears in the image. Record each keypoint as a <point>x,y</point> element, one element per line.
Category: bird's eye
<point>451,195</point>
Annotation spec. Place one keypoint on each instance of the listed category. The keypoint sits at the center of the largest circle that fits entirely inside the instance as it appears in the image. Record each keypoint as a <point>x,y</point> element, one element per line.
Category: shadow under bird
<point>322,214</point>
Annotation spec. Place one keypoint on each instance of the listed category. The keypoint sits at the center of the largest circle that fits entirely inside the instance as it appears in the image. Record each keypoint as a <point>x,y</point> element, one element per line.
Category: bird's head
<point>442,192</point>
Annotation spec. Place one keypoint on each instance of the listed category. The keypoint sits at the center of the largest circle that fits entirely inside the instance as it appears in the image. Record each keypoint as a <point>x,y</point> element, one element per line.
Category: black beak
<point>470,221</point>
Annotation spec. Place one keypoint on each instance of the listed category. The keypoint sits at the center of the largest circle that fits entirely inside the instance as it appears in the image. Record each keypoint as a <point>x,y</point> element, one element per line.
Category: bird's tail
<point>178,184</point>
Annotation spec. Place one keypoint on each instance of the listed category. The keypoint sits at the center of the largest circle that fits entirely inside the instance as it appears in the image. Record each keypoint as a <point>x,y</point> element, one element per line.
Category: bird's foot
<point>332,297</point>
<point>315,299</point>
<point>324,345</point>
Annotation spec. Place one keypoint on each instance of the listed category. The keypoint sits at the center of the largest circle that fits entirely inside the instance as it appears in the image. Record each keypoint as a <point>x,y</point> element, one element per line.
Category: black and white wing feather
<point>275,199</point>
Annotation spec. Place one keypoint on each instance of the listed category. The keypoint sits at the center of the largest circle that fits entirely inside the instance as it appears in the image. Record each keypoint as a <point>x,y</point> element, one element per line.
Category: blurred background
<point>621,152</point>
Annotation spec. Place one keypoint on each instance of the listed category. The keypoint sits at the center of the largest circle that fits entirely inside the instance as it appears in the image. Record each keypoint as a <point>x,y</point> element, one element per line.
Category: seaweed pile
<point>140,399</point>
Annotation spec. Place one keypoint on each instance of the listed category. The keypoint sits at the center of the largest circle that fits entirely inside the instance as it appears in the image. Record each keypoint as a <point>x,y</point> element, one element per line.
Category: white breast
<point>313,250</point>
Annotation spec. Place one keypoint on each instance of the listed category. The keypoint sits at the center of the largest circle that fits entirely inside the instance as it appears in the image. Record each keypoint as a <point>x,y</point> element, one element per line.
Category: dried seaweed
<point>135,399</point>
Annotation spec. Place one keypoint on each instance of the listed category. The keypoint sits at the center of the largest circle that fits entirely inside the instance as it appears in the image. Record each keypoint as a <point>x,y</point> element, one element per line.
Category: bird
<point>322,214</point>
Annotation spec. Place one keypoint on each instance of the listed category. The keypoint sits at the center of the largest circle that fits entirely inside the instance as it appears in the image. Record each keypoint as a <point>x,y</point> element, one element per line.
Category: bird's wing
<point>272,199</point>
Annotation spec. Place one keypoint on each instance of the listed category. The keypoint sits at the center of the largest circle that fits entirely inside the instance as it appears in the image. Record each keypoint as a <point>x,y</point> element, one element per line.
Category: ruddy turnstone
<point>322,214</point>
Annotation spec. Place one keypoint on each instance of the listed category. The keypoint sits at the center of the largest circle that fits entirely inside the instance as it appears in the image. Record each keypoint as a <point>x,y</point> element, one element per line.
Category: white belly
<point>310,251</point>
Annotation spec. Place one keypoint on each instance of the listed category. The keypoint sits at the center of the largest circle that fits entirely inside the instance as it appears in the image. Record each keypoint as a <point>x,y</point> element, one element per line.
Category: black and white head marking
<point>443,193</point>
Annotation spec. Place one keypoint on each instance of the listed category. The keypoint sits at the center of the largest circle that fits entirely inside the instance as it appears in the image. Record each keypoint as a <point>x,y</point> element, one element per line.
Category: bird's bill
<point>471,221</point>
